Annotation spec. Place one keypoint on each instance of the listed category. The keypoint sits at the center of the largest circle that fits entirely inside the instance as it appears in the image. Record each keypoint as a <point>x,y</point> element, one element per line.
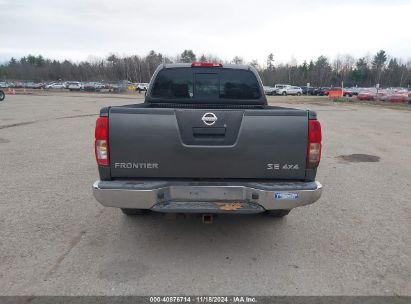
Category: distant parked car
<point>399,96</point>
<point>327,91</point>
<point>321,91</point>
<point>4,85</point>
<point>28,85</point>
<point>354,90</point>
<point>89,87</point>
<point>349,92</point>
<point>289,90</point>
<point>74,86</point>
<point>308,90</point>
<point>92,87</point>
<point>55,85</point>
<point>100,85</point>
<point>38,85</point>
<point>269,90</point>
<point>121,86</point>
<point>281,86</point>
<point>367,95</point>
<point>33,85</point>
<point>142,86</point>
<point>345,92</point>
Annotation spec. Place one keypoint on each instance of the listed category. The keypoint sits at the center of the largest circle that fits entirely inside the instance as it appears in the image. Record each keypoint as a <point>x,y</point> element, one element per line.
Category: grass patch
<point>342,99</point>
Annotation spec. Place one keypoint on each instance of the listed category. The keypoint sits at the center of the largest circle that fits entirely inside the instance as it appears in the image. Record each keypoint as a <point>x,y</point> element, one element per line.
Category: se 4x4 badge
<point>283,167</point>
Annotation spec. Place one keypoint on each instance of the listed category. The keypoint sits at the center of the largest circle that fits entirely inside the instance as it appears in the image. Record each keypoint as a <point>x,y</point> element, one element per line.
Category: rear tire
<point>2,95</point>
<point>284,93</point>
<point>277,213</point>
<point>298,94</point>
<point>129,211</point>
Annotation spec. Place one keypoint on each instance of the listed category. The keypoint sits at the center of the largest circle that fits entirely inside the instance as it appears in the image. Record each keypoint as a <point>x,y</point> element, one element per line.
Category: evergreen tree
<point>270,62</point>
<point>188,56</point>
<point>378,64</point>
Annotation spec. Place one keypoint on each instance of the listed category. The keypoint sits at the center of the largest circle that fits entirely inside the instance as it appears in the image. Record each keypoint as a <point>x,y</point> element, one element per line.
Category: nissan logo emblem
<point>209,118</point>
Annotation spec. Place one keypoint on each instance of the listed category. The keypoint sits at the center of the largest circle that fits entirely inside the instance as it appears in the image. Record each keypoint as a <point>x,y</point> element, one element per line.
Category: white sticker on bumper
<point>285,196</point>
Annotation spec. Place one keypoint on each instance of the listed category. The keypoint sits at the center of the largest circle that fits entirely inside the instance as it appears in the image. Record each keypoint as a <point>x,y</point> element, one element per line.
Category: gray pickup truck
<point>206,141</point>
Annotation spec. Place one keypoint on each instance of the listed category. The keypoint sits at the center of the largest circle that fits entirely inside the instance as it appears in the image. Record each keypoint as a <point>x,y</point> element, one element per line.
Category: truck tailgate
<point>204,143</point>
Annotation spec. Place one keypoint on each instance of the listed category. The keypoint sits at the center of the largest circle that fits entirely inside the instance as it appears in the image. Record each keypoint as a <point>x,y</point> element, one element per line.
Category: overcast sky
<point>80,29</point>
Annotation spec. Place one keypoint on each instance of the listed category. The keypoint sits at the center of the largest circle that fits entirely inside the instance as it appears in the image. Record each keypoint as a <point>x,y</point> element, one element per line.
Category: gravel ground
<point>55,239</point>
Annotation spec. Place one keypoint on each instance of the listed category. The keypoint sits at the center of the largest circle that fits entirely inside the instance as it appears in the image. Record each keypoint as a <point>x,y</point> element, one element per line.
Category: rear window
<point>238,84</point>
<point>192,83</point>
<point>173,83</point>
<point>207,85</point>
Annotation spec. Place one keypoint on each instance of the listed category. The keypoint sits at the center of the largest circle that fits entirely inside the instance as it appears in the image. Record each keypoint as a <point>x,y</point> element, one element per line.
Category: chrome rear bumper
<point>206,197</point>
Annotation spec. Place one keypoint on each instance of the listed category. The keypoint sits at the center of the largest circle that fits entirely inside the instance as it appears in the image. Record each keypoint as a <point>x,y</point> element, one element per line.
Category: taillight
<point>101,141</point>
<point>314,143</point>
<point>206,65</point>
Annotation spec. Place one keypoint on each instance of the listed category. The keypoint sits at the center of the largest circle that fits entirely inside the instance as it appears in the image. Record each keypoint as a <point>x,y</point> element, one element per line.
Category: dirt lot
<point>55,239</point>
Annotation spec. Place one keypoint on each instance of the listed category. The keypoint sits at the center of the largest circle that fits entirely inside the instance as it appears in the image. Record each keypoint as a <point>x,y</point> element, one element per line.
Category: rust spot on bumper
<point>230,206</point>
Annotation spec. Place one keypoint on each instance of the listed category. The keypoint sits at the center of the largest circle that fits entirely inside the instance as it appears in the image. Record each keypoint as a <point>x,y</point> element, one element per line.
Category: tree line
<point>366,71</point>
